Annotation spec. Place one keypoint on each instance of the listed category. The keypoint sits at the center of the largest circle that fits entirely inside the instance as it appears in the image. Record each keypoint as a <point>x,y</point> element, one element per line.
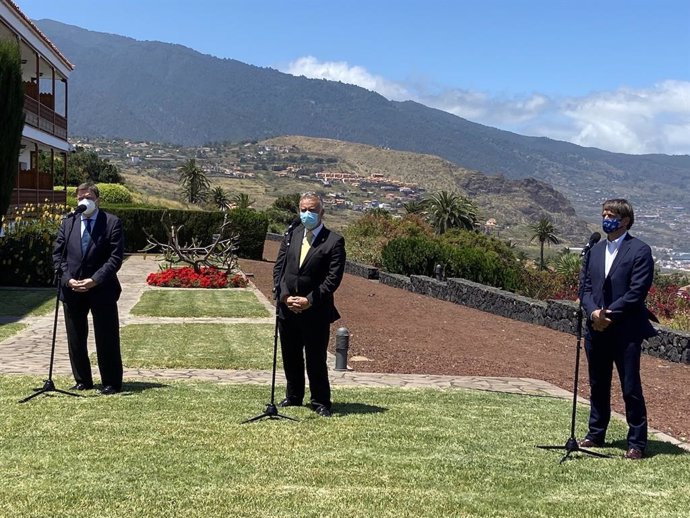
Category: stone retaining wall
<point>560,315</point>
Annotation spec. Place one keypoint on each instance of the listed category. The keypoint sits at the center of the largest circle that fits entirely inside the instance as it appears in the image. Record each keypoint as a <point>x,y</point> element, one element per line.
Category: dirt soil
<point>395,331</point>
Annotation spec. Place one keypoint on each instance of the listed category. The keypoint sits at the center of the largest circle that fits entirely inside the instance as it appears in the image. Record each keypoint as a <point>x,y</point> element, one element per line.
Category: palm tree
<point>450,210</point>
<point>242,201</point>
<point>194,183</point>
<point>220,198</point>
<point>415,206</point>
<point>12,117</point>
<point>545,231</point>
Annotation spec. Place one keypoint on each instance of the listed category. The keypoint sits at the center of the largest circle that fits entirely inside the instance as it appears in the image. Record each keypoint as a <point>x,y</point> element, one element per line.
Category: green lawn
<point>7,330</point>
<point>200,346</point>
<point>200,303</point>
<point>178,449</point>
<point>19,302</point>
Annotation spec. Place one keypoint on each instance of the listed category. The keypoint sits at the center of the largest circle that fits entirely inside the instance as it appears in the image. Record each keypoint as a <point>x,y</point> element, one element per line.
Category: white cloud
<point>310,67</point>
<point>649,120</point>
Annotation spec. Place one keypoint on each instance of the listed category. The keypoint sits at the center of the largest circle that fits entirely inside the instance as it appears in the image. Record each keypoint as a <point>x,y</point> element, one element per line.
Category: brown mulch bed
<point>402,332</point>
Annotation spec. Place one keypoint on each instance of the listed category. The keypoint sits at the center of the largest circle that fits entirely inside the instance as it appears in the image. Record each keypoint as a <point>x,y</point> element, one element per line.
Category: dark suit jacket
<point>623,290</point>
<point>101,262</point>
<point>317,278</point>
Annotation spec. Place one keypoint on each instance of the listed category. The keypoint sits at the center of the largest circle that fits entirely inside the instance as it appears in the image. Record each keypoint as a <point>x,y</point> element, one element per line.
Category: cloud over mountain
<point>637,121</point>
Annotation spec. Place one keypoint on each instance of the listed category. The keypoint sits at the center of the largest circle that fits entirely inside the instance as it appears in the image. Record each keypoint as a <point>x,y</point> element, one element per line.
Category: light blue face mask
<point>309,219</point>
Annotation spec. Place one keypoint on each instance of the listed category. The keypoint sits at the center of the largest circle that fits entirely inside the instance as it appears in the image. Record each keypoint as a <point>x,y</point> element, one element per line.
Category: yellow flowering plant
<point>27,246</point>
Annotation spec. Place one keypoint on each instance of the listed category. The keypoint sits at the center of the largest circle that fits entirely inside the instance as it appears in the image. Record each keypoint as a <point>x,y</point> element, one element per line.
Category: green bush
<point>419,256</point>
<point>249,225</point>
<point>110,194</point>
<point>26,251</point>
<point>366,237</point>
<point>412,255</point>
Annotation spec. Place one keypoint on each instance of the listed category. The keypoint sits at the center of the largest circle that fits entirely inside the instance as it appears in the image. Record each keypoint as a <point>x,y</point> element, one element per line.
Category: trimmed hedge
<point>250,225</point>
<point>420,255</point>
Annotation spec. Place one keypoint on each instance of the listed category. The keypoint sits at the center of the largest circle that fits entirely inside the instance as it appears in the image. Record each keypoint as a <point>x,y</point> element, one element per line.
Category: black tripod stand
<point>49,385</point>
<point>271,411</point>
<point>571,444</point>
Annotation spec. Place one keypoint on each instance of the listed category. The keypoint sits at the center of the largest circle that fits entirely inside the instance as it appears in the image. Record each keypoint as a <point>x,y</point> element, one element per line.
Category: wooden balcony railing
<point>44,117</point>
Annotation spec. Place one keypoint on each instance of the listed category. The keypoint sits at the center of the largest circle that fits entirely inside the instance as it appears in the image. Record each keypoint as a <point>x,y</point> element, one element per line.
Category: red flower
<point>186,277</point>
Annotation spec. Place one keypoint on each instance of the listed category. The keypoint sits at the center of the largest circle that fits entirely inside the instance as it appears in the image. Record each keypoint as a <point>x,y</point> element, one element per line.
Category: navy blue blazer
<point>623,290</point>
<point>101,262</point>
<point>317,278</point>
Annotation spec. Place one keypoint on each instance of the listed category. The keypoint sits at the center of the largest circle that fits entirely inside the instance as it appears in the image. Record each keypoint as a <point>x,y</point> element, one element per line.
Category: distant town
<point>665,228</point>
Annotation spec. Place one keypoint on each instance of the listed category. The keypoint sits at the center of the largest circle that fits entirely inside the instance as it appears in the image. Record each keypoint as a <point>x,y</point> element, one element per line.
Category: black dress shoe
<point>108,390</point>
<point>323,411</point>
<point>289,402</point>
<point>82,386</point>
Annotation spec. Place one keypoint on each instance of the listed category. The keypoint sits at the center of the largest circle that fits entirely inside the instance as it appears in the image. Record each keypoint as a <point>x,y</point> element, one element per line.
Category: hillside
<point>123,88</point>
<point>268,169</point>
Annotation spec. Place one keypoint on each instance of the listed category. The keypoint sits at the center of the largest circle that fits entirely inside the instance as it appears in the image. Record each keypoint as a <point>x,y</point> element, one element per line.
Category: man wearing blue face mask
<point>308,271</point>
<point>619,274</point>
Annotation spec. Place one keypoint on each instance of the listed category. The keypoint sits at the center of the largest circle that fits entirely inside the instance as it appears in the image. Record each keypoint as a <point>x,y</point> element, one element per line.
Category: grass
<point>20,302</point>
<point>7,330</point>
<point>199,346</point>
<point>179,450</point>
<point>200,303</point>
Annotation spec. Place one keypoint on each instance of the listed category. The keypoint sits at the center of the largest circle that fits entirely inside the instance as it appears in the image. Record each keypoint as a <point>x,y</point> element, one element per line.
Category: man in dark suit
<point>91,246</point>
<point>307,272</point>
<point>619,274</point>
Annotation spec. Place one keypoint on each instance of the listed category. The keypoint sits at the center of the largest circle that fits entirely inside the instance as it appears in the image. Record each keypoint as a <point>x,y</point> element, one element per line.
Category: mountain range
<point>153,91</point>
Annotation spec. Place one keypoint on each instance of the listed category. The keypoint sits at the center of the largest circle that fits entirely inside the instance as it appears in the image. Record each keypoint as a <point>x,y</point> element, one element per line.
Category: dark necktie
<point>86,236</point>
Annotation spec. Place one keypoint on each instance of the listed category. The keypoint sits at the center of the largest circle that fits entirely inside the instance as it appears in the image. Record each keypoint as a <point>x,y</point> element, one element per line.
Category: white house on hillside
<point>44,144</point>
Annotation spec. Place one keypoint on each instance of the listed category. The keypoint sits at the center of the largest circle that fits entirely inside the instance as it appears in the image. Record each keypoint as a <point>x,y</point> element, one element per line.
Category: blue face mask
<point>309,219</point>
<point>610,224</point>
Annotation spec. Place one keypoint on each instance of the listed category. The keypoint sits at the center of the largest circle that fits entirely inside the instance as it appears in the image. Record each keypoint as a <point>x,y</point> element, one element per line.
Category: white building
<point>45,72</point>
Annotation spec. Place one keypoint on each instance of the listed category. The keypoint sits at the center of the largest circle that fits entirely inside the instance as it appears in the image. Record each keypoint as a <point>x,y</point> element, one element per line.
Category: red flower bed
<point>186,277</point>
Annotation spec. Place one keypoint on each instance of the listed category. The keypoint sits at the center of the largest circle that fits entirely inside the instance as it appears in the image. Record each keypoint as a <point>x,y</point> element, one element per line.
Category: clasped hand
<point>81,286</point>
<point>600,319</point>
<point>297,304</point>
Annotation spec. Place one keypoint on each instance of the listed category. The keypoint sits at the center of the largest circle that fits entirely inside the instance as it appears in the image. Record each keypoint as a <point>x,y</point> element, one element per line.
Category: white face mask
<point>89,204</point>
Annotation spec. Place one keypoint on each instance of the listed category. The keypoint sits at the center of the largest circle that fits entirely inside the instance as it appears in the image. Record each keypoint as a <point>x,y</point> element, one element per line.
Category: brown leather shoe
<point>633,454</point>
<point>588,443</point>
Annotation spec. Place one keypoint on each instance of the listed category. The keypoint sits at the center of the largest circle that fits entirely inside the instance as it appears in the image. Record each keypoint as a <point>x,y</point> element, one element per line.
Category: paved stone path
<point>28,352</point>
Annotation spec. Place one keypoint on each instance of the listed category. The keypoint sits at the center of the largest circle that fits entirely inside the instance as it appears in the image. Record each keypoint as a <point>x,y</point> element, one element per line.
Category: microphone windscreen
<point>80,209</point>
<point>594,238</point>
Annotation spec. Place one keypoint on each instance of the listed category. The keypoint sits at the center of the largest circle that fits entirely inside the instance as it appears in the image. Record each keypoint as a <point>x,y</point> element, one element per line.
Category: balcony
<point>42,116</point>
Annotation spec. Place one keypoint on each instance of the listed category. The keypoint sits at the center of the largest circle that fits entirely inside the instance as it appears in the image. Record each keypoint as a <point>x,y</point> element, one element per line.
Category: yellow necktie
<point>306,245</point>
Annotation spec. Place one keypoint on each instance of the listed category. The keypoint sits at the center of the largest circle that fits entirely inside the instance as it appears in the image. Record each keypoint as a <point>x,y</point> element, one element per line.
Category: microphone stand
<point>271,411</point>
<point>49,385</point>
<point>571,444</point>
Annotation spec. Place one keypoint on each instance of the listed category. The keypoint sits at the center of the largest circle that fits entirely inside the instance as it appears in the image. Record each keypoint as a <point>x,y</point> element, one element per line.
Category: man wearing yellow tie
<point>307,272</point>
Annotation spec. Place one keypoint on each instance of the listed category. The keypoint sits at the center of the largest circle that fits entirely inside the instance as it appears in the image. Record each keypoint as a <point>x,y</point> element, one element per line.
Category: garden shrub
<point>26,251</point>
<point>412,255</point>
<point>110,194</point>
<point>249,225</point>
<point>420,255</point>
<point>366,237</point>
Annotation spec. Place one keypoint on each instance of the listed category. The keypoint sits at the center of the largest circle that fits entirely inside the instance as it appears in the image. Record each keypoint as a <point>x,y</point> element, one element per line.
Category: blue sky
<point>613,74</point>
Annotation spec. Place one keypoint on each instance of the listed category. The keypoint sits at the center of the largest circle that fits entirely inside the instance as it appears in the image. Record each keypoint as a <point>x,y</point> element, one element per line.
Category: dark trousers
<point>602,354</point>
<point>300,339</point>
<point>106,328</point>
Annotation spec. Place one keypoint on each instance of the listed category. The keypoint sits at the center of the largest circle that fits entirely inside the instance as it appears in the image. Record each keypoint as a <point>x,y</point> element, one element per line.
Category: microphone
<point>593,240</point>
<point>78,210</point>
<point>293,225</point>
